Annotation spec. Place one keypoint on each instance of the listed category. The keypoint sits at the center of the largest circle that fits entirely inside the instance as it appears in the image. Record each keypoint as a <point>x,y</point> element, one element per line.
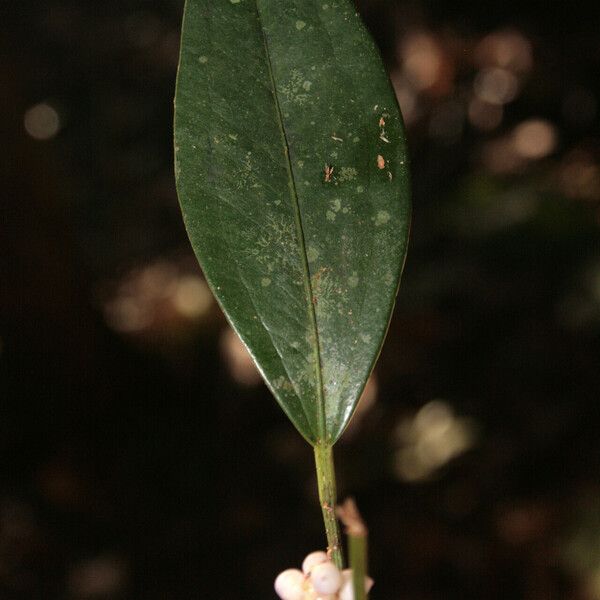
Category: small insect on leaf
<point>382,133</point>
<point>380,162</point>
<point>328,173</point>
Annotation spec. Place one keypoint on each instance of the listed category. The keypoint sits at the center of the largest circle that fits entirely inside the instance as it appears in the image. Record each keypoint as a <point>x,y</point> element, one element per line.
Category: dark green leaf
<point>292,175</point>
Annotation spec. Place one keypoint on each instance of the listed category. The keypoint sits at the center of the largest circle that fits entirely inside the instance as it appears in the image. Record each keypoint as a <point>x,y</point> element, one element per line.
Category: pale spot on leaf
<point>382,217</point>
<point>312,254</point>
<point>347,174</point>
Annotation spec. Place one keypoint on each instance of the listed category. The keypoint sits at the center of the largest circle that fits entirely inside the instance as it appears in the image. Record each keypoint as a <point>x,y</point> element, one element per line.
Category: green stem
<point>328,499</point>
<point>358,563</point>
<point>357,542</point>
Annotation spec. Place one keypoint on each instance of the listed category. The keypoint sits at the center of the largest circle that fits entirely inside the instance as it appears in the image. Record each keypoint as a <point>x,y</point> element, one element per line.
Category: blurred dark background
<point>141,457</point>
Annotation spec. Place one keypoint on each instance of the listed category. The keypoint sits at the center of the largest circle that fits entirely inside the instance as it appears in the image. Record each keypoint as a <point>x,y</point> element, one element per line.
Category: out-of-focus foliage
<point>474,456</point>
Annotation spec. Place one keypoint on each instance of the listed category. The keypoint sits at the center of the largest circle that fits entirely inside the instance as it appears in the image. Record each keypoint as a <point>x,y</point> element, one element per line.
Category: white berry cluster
<point>319,579</point>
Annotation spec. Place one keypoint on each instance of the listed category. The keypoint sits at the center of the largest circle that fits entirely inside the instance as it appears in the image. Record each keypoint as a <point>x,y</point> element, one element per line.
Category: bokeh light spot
<point>496,85</point>
<point>508,49</point>
<point>42,121</point>
<point>241,366</point>
<point>422,60</point>
<point>192,297</point>
<point>429,440</point>
<point>484,115</point>
<point>535,139</point>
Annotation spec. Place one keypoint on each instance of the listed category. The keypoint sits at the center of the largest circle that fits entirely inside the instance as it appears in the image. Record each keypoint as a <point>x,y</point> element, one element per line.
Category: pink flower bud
<point>326,578</point>
<point>289,585</point>
<point>312,560</point>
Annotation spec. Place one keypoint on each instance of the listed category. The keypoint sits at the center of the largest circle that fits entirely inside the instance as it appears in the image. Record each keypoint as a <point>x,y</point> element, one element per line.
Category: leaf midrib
<point>321,419</point>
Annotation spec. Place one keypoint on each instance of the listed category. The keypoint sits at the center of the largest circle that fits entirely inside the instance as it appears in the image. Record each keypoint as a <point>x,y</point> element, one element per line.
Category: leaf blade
<point>316,262</point>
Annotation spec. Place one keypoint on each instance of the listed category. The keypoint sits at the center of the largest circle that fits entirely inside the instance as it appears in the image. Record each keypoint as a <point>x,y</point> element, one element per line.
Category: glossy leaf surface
<point>292,175</point>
